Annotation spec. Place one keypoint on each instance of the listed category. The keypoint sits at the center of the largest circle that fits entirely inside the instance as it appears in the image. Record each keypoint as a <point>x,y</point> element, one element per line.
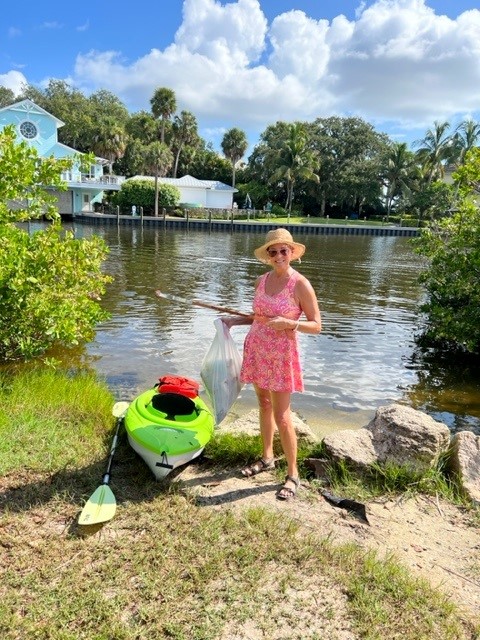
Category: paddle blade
<point>119,409</point>
<point>101,506</point>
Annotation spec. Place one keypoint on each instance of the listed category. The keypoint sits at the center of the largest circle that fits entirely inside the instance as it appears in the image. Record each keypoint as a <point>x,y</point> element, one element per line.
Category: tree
<point>110,141</point>
<point>159,159</point>
<point>207,164</point>
<point>294,160</point>
<point>429,201</point>
<point>71,107</point>
<point>143,127</point>
<point>133,161</point>
<point>452,246</point>
<point>50,282</point>
<point>350,153</point>
<point>7,97</point>
<point>435,150</point>
<point>185,132</point>
<point>164,105</point>
<point>466,137</point>
<point>234,145</point>
<point>398,173</point>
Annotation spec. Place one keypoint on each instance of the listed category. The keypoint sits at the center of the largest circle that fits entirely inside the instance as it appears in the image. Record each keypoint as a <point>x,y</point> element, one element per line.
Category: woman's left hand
<point>280,324</point>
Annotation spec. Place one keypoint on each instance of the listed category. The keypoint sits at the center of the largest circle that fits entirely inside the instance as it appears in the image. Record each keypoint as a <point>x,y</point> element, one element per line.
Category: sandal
<point>287,493</point>
<point>258,466</point>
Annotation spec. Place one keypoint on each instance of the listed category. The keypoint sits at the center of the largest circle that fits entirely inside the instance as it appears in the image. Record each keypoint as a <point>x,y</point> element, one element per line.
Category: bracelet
<point>296,326</point>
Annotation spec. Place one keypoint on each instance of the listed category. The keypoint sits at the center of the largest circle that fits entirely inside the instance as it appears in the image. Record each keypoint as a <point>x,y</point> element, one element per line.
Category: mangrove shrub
<point>452,246</point>
<point>50,282</point>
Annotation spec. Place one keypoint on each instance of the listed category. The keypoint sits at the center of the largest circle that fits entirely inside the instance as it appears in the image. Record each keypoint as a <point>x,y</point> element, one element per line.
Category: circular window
<point>28,130</point>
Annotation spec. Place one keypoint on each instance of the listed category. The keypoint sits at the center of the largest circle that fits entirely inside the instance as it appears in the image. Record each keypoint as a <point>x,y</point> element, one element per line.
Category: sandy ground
<point>434,539</point>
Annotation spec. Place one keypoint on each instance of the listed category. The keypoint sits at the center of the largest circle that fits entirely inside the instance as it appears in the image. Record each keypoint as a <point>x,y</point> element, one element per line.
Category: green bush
<point>452,246</point>
<point>141,193</point>
<point>50,283</point>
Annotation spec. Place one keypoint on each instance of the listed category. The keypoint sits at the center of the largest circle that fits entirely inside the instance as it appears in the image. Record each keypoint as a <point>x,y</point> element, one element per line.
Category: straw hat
<point>279,236</point>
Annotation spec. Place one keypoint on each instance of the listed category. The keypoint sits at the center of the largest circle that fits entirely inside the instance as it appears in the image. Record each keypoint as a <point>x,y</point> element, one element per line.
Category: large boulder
<point>464,461</point>
<point>397,434</point>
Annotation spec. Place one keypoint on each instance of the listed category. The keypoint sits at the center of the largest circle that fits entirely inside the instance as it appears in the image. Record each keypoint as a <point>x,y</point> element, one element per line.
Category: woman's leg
<point>283,418</point>
<point>267,422</point>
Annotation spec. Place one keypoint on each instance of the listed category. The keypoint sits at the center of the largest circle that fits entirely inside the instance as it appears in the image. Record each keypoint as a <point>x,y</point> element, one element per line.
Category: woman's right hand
<point>232,321</point>
<point>227,321</point>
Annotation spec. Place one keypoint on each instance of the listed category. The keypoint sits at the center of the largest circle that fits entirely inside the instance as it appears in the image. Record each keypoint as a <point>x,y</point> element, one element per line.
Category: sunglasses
<point>273,252</point>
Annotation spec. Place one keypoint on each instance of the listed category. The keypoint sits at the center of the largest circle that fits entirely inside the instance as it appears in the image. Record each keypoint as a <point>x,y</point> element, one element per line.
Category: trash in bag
<point>220,371</point>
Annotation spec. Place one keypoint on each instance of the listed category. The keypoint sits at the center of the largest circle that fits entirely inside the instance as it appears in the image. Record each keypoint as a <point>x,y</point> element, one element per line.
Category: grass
<point>390,479</point>
<point>296,219</point>
<point>165,567</point>
<point>328,221</point>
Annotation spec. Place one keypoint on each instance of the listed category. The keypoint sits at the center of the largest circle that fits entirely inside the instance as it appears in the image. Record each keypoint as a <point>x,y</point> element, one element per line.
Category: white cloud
<point>13,80</point>
<point>404,62</point>
<point>397,61</point>
<point>83,27</point>
<point>51,25</point>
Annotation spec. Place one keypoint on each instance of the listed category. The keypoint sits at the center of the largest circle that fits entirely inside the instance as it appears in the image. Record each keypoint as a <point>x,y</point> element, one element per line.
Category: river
<point>364,358</point>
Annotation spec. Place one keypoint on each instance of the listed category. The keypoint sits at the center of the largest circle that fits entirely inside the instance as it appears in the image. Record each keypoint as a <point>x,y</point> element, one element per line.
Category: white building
<point>210,194</point>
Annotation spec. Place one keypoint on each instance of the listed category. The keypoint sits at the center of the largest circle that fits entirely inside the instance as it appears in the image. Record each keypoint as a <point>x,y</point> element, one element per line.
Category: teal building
<point>38,128</point>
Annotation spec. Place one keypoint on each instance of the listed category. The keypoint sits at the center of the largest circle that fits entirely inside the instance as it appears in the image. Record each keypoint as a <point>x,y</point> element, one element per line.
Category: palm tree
<point>234,145</point>
<point>466,137</point>
<point>294,160</point>
<point>159,159</point>
<point>398,173</point>
<point>436,149</point>
<point>188,156</point>
<point>184,133</point>
<point>164,105</point>
<point>110,141</point>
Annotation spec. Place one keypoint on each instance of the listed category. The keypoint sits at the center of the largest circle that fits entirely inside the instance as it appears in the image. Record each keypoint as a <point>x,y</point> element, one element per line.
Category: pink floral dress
<point>270,358</point>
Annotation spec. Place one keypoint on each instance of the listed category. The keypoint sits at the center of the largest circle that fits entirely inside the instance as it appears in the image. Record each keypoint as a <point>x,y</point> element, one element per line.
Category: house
<point>39,129</point>
<point>210,194</point>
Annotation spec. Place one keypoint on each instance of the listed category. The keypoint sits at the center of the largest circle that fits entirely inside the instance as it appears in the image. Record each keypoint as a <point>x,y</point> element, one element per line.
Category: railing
<point>100,181</point>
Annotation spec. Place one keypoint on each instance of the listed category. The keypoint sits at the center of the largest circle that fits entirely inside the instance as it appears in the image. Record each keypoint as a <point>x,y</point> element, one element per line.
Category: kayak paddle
<point>101,505</point>
<point>201,303</point>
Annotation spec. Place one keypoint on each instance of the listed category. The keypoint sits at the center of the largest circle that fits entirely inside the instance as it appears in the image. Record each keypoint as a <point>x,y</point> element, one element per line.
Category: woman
<point>271,359</point>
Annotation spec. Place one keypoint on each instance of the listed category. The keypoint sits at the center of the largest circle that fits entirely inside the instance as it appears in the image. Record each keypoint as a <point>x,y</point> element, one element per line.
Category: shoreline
<point>242,225</point>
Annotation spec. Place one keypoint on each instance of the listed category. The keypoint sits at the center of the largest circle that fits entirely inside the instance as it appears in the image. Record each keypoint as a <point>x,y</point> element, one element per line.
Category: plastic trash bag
<point>220,372</point>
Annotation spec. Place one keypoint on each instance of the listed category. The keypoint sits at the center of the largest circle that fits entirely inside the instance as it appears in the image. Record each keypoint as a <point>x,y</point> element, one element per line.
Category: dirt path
<point>433,538</point>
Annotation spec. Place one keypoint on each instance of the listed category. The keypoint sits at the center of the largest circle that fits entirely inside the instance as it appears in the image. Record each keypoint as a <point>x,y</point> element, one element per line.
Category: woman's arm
<point>307,301</point>
<point>309,304</point>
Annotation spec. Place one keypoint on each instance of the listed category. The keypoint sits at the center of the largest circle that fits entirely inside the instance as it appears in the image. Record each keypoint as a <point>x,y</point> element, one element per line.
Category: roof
<point>190,181</point>
<point>30,106</point>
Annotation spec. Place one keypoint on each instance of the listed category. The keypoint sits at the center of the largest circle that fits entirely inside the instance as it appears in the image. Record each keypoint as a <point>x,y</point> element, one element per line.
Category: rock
<point>465,462</point>
<point>405,436</point>
<point>352,446</point>
<point>397,434</point>
<point>320,467</point>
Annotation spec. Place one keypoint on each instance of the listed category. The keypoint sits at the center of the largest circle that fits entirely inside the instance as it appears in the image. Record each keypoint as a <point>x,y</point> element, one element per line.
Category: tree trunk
<point>156,194</point>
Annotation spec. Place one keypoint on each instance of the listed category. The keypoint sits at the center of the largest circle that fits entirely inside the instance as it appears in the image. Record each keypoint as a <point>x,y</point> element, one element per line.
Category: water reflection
<point>364,358</point>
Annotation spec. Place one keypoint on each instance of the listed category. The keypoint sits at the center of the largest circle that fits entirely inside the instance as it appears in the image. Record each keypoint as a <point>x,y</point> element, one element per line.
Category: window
<point>28,130</point>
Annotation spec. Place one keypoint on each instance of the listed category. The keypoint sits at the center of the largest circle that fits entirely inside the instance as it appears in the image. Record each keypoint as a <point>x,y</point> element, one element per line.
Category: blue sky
<point>399,64</point>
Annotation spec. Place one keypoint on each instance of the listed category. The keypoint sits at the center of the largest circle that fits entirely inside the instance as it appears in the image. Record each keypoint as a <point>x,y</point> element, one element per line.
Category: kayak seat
<point>173,404</point>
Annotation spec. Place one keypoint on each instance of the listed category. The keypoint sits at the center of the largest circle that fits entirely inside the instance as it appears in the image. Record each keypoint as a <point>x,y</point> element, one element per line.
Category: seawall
<point>262,226</point>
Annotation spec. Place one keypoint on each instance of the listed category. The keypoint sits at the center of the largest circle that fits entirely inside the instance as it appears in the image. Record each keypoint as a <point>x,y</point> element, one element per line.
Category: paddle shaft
<point>201,303</point>
<point>106,476</point>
